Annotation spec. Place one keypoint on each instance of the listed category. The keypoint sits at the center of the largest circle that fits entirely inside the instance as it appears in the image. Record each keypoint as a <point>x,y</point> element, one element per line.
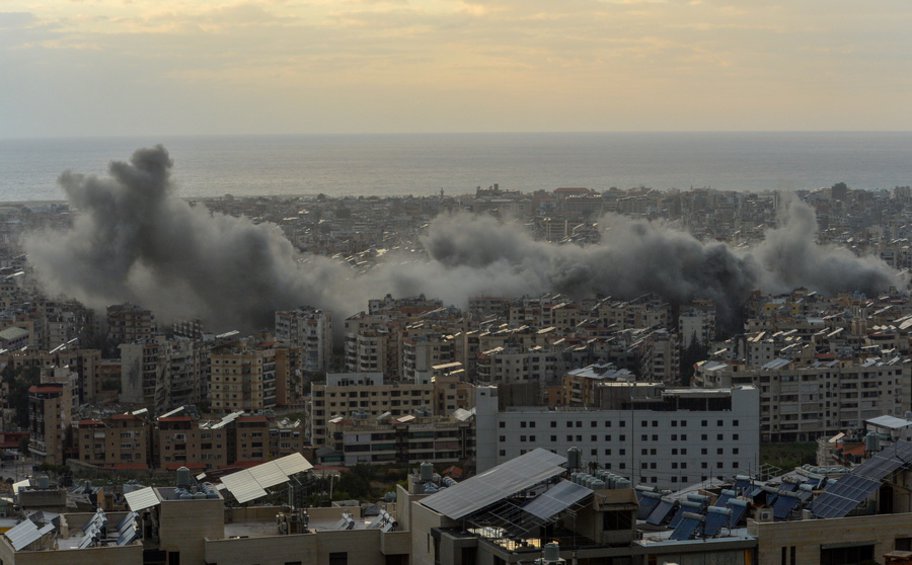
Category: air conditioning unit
<point>764,515</point>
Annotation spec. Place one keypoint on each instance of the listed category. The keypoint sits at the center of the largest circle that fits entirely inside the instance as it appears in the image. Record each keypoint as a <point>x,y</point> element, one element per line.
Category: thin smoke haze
<point>133,239</point>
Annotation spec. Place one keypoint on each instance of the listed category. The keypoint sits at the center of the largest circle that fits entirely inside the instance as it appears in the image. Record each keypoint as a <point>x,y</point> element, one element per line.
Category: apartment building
<point>243,377</point>
<point>801,401</point>
<point>50,408</point>
<point>404,440</point>
<point>659,436</point>
<point>143,368</point>
<point>128,323</point>
<point>309,329</point>
<point>366,395</point>
<point>118,442</point>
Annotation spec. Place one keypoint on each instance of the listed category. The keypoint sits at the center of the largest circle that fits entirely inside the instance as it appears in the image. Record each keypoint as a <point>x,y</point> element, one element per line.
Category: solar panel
<point>252,483</point>
<point>739,508</point>
<point>268,474</point>
<point>648,501</point>
<point>128,521</point>
<point>244,486</point>
<point>141,499</point>
<point>860,483</point>
<point>724,497</point>
<point>742,482</point>
<point>660,515</point>
<point>687,528</point>
<point>784,505</point>
<point>22,534</point>
<point>716,519</point>
<point>686,506</point>
<point>293,463</point>
<point>556,499</point>
<point>496,483</point>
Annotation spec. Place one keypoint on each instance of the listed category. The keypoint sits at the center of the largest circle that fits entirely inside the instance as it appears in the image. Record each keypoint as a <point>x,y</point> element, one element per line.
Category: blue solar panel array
<point>688,527</point>
<point>724,497</point>
<point>662,512</point>
<point>648,500</point>
<point>785,503</point>
<point>716,519</point>
<point>843,496</point>
<point>739,508</point>
<point>688,506</point>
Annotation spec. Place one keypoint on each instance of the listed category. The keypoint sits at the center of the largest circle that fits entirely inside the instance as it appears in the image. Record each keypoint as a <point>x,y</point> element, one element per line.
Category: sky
<point>130,67</point>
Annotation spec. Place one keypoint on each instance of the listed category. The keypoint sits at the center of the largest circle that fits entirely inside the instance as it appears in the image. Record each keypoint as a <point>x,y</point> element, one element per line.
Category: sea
<point>425,164</point>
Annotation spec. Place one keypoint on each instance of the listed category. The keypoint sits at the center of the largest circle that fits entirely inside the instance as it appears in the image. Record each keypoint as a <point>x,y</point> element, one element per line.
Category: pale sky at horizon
<point>127,67</point>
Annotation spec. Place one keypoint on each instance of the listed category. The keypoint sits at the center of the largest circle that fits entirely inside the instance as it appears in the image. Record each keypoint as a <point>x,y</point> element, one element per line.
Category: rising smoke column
<point>133,240</point>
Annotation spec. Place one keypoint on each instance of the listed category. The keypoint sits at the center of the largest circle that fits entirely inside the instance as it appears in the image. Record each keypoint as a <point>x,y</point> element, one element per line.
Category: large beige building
<point>50,412</point>
<point>242,377</point>
<point>803,400</point>
<point>119,442</point>
<point>367,396</point>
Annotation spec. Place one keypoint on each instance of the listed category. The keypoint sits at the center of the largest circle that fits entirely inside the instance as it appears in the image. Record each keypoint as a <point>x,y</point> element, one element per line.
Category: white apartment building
<point>677,437</point>
<point>311,330</point>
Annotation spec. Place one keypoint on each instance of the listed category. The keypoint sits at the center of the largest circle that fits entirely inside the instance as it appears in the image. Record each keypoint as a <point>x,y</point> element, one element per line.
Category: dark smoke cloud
<point>133,240</point>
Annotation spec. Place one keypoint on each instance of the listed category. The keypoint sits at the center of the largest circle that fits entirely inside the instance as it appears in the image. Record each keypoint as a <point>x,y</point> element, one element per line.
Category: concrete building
<point>406,440</point>
<point>309,329</point>
<point>143,368</point>
<point>801,401</point>
<point>243,377</point>
<point>367,396</point>
<point>121,442</point>
<point>50,413</point>
<point>665,437</point>
<point>129,323</point>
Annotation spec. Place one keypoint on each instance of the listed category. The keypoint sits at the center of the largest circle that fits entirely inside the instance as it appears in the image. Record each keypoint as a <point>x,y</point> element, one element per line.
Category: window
<point>553,424</point>
<point>500,424</point>
<point>704,423</point>
<point>720,451</point>
<point>735,437</point>
<point>846,555</point>
<point>735,423</point>
<point>522,424</point>
<point>553,438</point>
<point>341,557</point>
<point>620,520</point>
<point>903,544</point>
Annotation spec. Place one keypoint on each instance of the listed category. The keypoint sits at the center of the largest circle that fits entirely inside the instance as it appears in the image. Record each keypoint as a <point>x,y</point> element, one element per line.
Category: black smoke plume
<point>133,240</point>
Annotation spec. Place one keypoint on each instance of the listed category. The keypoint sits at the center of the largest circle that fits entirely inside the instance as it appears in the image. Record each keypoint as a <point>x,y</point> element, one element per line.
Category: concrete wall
<point>124,555</point>
<point>361,546</point>
<point>808,536</point>
<point>185,524</point>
